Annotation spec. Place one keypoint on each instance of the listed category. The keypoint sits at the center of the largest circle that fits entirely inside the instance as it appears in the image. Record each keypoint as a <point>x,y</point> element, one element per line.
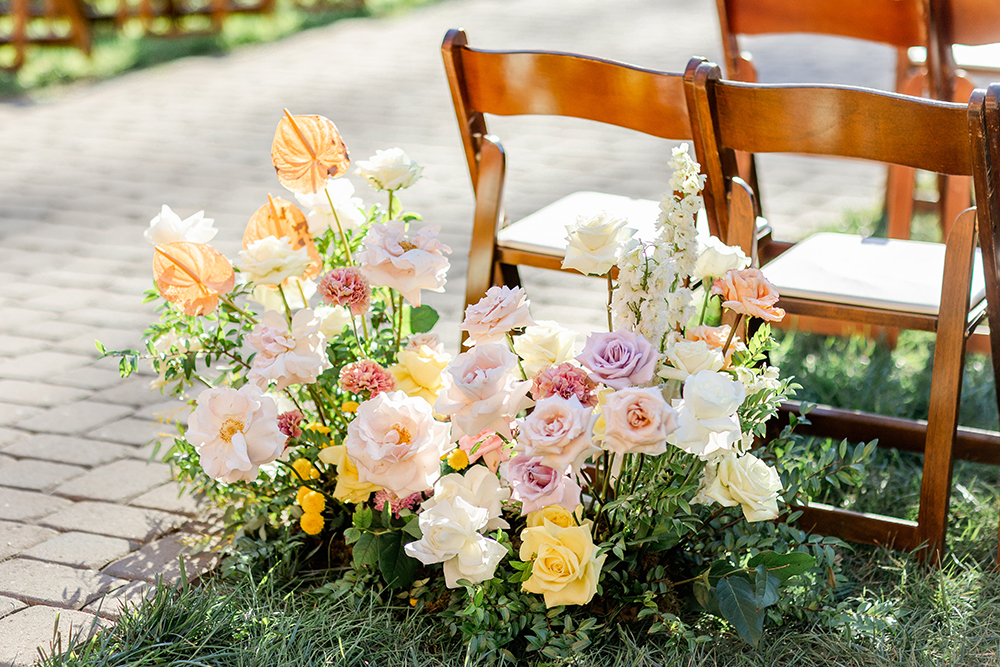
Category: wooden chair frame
<point>884,127</point>
<point>539,82</point>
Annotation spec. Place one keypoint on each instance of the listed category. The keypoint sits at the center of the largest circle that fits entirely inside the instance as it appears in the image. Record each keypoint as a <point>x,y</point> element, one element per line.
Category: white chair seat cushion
<point>879,273</point>
<point>983,56</point>
<point>544,231</point>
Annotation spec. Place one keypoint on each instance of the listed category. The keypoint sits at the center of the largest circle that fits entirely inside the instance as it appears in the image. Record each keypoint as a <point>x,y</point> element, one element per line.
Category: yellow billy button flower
<point>303,490</point>
<point>560,516</point>
<point>316,427</point>
<point>305,469</point>
<point>349,407</point>
<point>458,459</point>
<point>311,523</point>
<point>566,568</point>
<point>312,502</point>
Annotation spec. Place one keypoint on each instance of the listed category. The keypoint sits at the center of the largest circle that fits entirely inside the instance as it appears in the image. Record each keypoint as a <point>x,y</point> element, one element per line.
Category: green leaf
<point>366,550</point>
<point>738,605</point>
<point>398,569</point>
<point>100,347</point>
<point>783,566</point>
<point>362,518</point>
<point>767,588</point>
<point>412,527</point>
<point>423,319</point>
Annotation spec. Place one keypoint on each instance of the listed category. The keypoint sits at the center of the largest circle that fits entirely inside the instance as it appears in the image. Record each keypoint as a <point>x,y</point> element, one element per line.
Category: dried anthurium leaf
<point>192,275</point>
<point>282,218</point>
<point>307,151</point>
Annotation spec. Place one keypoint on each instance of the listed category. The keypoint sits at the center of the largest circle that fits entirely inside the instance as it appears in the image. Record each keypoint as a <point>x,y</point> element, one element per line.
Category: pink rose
<point>406,263</point>
<point>559,431</point>
<point>618,359</point>
<point>481,391</point>
<point>287,355</point>
<point>537,486</point>
<point>487,446</point>
<point>396,443</point>
<point>502,309</point>
<point>637,421</point>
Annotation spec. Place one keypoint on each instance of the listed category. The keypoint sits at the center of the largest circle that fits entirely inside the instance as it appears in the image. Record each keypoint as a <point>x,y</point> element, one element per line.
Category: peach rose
<point>559,431</point>
<point>500,310</point>
<point>747,291</point>
<point>716,338</point>
<point>405,262</point>
<point>637,421</point>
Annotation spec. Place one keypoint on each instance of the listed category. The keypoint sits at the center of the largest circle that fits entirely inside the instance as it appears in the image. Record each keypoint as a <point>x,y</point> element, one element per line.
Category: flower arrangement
<point>528,492</point>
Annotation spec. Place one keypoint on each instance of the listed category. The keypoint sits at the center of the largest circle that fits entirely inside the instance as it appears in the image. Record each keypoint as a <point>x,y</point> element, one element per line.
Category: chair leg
<point>946,388</point>
<point>489,193</point>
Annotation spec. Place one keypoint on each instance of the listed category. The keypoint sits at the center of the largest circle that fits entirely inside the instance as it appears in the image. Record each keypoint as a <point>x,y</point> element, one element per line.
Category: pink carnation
<point>346,286</point>
<point>288,423</point>
<point>366,375</point>
<point>395,502</point>
<point>564,380</point>
<point>490,448</point>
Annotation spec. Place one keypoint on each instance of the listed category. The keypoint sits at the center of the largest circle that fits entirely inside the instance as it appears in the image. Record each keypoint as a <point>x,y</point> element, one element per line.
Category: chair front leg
<point>489,195</point>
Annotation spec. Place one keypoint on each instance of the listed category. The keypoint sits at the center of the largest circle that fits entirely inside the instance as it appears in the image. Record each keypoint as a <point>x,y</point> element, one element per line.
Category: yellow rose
<point>566,568</point>
<point>311,523</point>
<point>349,488</point>
<point>312,502</point>
<point>560,516</point>
<point>418,372</point>
<point>544,344</point>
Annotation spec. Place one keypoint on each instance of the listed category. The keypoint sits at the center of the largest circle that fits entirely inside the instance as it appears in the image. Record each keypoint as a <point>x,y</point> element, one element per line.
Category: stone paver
<point>85,169</point>
<point>160,559</point>
<point>24,632</point>
<point>121,597</point>
<point>9,606</point>
<point>51,584</point>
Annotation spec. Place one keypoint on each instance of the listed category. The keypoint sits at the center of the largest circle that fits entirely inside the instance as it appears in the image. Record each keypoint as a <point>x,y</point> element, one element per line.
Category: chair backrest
<point>508,83</point>
<point>824,120</point>
<point>898,23</point>
<point>970,22</point>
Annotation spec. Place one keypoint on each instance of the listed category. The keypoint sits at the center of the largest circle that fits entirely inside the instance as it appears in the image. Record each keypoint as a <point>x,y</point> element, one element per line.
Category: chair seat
<point>877,273</point>
<point>983,56</point>
<point>544,231</point>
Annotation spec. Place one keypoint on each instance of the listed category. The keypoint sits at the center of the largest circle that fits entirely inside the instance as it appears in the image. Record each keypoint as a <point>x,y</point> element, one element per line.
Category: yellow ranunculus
<point>560,516</point>
<point>566,568</point>
<point>311,523</point>
<point>312,502</point>
<point>418,372</point>
<point>349,488</point>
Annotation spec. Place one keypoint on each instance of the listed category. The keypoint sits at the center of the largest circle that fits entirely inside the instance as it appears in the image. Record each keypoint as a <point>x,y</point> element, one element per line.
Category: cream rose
<point>450,535</point>
<point>298,291</point>
<point>686,357</point>
<point>389,170</point>
<point>544,344</point>
<point>408,263</point>
<point>492,317</point>
<point>431,340</point>
<point>347,209</point>
<point>332,320</point>
<point>716,258</point>
<point>637,421</point>
<point>349,489</point>
<point>418,372</point>
<point>168,227</point>
<point>481,391</point>
<point>592,243</point>
<point>478,487</point>
<point>396,443</point>
<point>566,567</point>
<point>559,431</point>
<point>706,420</point>
<point>742,480</point>
<point>270,260</point>
<point>235,432</point>
<point>287,355</point>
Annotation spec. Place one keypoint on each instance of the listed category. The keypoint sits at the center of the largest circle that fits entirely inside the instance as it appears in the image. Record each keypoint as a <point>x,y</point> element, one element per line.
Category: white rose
<point>168,227</point>
<point>742,480</point>
<point>287,355</point>
<point>333,319</point>
<point>295,289</point>
<point>347,210</point>
<point>716,258</point>
<point>270,260</point>
<point>593,243</point>
<point>687,357</point>
<point>389,170</point>
<point>405,262</point>
<point>706,415</point>
<point>544,344</point>
<point>450,535</point>
<point>479,487</point>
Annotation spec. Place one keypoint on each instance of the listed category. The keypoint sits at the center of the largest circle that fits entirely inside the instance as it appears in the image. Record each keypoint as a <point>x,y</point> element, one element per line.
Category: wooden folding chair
<point>536,82</point>
<point>902,24</point>
<point>49,23</point>
<point>894,283</point>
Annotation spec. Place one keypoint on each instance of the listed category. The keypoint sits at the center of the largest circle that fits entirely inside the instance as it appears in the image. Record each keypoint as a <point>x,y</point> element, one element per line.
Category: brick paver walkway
<point>81,512</point>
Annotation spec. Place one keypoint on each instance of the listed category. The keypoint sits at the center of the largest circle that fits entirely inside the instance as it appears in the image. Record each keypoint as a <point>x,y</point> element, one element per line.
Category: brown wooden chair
<point>931,287</point>
<point>536,82</point>
<point>902,24</point>
<point>48,23</point>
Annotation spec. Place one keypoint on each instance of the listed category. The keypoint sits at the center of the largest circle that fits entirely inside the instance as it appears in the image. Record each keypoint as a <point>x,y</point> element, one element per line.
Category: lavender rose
<point>538,486</point>
<point>618,359</point>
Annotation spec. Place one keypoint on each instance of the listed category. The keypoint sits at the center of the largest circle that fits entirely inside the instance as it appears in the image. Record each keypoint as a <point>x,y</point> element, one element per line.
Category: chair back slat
<point>900,23</point>
<point>512,83</point>
<point>845,122</point>
<point>973,22</point>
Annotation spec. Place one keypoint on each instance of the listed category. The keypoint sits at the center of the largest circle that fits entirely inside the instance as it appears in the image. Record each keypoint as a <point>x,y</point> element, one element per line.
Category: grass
<point>118,51</point>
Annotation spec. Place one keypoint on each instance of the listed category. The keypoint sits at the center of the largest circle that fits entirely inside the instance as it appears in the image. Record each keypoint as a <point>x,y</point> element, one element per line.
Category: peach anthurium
<point>307,151</point>
<point>280,218</point>
<point>192,275</point>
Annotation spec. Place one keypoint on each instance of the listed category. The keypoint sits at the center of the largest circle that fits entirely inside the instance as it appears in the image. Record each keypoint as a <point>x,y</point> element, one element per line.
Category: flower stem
<point>704,304</point>
<point>302,293</point>
<point>638,472</point>
<point>732,332</point>
<point>226,300</point>
<point>319,404</point>
<point>390,203</point>
<point>611,290</point>
<point>288,310</point>
<point>357,338</point>
<point>399,328</point>
<point>340,230</point>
